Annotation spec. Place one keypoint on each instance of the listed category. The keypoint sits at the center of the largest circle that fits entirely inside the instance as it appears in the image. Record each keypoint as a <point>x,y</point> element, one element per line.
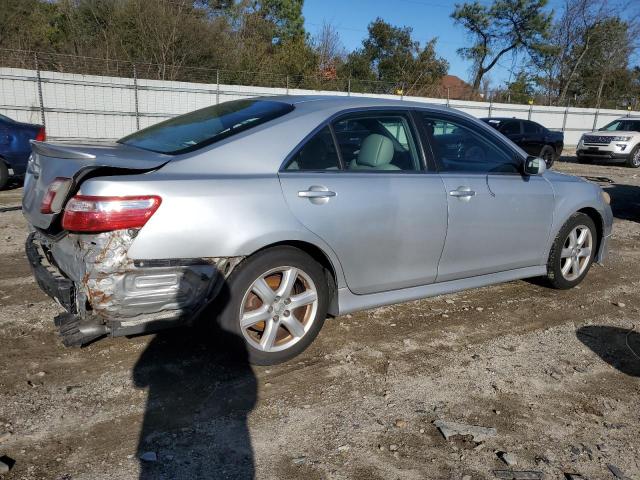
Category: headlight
<point>620,139</point>
<point>606,197</point>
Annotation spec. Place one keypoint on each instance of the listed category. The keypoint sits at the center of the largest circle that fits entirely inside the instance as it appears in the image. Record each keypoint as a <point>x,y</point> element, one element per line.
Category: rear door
<point>498,219</point>
<point>370,200</point>
<point>532,137</point>
<point>512,129</point>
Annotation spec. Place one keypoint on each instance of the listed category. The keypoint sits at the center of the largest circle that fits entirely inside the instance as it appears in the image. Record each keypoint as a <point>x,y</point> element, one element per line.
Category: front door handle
<point>317,194</point>
<point>463,193</point>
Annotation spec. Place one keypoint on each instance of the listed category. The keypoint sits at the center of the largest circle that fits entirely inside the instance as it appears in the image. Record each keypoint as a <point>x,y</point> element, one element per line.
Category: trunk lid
<point>50,161</point>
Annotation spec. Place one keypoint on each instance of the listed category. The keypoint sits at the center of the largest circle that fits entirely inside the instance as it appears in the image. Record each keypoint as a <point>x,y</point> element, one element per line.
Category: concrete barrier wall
<point>92,107</point>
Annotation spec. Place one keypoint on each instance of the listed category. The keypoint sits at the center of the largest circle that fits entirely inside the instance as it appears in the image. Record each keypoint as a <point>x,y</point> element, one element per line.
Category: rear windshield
<point>195,130</point>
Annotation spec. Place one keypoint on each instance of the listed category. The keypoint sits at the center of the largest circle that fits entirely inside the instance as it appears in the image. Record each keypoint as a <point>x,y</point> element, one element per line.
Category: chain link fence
<point>102,99</point>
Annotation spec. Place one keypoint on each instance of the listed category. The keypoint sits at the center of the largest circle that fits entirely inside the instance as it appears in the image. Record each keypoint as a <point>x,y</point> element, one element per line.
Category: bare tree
<point>328,47</point>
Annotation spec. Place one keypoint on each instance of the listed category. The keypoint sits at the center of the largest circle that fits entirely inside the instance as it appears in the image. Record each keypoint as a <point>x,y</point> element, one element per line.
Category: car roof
<point>263,148</point>
<point>337,103</point>
<point>503,119</point>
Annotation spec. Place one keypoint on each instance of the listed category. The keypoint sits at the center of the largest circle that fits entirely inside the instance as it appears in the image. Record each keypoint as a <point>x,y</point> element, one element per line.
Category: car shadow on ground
<point>625,201</point>
<point>200,390</point>
<point>574,159</point>
<point>619,347</point>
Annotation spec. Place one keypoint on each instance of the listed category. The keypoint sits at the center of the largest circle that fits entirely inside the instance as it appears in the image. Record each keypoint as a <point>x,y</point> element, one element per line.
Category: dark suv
<point>532,137</point>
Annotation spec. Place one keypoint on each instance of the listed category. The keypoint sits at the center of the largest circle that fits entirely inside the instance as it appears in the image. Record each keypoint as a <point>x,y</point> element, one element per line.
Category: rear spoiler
<point>59,151</point>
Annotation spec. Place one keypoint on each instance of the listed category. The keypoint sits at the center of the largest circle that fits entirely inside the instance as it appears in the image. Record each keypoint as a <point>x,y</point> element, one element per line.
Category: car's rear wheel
<point>4,174</point>
<point>634,158</point>
<point>548,154</point>
<point>277,303</point>
<point>572,252</point>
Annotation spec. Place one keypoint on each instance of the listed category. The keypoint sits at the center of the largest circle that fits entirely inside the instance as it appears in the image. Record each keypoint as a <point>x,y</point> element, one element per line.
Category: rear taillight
<point>102,214</point>
<point>41,136</point>
<point>49,203</point>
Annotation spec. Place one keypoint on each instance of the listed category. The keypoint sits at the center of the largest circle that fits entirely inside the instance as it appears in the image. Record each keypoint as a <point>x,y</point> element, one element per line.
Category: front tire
<point>277,302</point>
<point>572,252</point>
<point>4,175</point>
<point>634,158</point>
<point>548,154</point>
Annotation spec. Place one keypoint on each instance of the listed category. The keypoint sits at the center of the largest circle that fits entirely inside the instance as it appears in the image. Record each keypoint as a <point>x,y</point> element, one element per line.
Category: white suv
<point>619,140</point>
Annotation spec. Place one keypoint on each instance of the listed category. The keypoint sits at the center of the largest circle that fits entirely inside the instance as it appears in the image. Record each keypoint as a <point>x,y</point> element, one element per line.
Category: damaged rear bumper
<point>106,292</point>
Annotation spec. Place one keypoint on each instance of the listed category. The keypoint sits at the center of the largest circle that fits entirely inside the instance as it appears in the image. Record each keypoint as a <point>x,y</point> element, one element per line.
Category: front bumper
<point>105,292</point>
<point>602,154</point>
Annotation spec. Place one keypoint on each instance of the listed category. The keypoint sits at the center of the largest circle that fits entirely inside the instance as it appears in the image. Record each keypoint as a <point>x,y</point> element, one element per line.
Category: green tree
<point>521,89</point>
<point>390,54</point>
<point>286,15</point>
<point>604,73</point>
<point>504,26</point>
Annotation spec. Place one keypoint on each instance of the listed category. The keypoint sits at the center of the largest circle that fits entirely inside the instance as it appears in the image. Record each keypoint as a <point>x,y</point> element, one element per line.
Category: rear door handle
<point>463,193</point>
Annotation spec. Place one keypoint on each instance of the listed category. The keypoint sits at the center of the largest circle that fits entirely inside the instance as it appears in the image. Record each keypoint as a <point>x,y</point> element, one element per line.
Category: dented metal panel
<point>112,287</point>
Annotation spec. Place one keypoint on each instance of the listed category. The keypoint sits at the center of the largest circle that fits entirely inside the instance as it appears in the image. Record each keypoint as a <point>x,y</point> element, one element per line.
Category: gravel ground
<point>550,370</point>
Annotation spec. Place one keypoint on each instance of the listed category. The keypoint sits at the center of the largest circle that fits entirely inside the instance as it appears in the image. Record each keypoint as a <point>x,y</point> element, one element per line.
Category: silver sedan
<point>264,216</point>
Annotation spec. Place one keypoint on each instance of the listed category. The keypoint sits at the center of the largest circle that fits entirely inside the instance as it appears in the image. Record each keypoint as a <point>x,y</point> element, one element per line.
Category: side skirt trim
<point>349,302</point>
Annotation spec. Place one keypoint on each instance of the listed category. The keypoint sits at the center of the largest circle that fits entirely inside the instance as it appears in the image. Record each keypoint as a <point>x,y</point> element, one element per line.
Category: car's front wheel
<point>277,302</point>
<point>4,174</point>
<point>634,158</point>
<point>572,252</point>
<point>548,154</point>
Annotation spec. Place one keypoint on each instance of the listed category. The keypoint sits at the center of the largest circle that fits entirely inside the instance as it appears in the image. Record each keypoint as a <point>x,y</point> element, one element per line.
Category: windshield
<point>623,125</point>
<point>200,128</point>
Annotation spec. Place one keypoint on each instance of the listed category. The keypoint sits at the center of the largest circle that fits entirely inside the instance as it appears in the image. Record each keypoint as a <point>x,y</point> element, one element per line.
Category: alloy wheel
<point>576,252</point>
<point>278,309</point>
<point>636,158</point>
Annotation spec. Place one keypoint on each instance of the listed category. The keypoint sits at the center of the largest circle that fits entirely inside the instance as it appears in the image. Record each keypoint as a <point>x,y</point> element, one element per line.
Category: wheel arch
<point>594,215</point>
<point>334,271</point>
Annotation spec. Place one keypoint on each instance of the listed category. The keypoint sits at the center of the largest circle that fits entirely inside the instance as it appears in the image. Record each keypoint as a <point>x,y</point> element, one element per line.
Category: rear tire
<point>634,158</point>
<point>4,175</point>
<point>548,154</point>
<point>258,289</point>
<point>572,252</point>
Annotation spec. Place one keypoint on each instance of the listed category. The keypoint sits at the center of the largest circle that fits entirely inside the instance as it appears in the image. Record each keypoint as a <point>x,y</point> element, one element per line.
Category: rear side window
<point>531,127</point>
<point>198,129</point>
<point>510,128</point>
<point>319,153</point>
<point>377,143</point>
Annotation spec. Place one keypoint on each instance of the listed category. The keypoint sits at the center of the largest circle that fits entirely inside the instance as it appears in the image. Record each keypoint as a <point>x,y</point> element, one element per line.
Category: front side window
<point>318,153</point>
<point>458,147</point>
<point>375,142</point>
<point>623,126</point>
<point>203,127</point>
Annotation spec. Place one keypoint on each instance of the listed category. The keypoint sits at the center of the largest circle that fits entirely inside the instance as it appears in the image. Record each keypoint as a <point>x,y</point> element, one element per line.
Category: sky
<point>428,18</point>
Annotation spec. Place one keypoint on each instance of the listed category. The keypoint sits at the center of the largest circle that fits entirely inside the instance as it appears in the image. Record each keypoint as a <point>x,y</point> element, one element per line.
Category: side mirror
<point>534,166</point>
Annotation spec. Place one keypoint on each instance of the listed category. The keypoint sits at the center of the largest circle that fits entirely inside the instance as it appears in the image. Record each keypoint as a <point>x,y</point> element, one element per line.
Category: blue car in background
<point>15,147</point>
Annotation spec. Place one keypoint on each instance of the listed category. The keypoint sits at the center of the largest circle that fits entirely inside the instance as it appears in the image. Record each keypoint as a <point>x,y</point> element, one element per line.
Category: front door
<point>374,205</point>
<point>499,219</point>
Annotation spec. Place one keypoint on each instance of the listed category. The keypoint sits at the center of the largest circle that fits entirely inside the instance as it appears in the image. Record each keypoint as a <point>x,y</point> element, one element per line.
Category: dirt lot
<point>550,371</point>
